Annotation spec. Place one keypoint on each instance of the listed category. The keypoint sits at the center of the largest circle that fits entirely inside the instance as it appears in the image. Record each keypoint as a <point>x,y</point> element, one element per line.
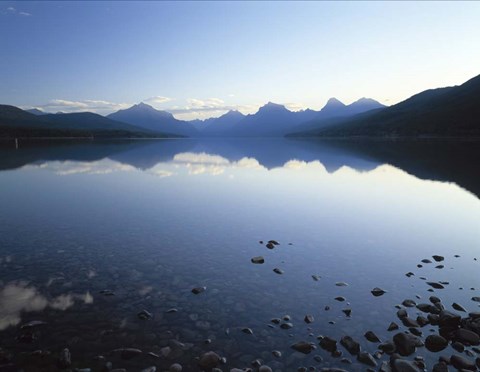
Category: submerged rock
<point>435,285</point>
<point>378,292</point>
<point>65,359</point>
<point>258,260</point>
<point>406,344</point>
<point>308,319</point>
<point>435,343</point>
<point>352,346</point>
<point>144,315</point>
<point>366,358</point>
<point>303,347</point>
<point>198,290</point>
<point>328,344</point>
<point>462,363</point>
<point>458,307</point>
<point>209,360</point>
<point>372,337</point>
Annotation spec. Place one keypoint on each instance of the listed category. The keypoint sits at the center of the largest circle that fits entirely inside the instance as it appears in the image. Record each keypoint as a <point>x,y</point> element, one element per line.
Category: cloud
<point>67,168</point>
<point>19,297</point>
<point>203,163</point>
<point>63,105</point>
<point>293,106</point>
<point>12,10</point>
<point>205,108</point>
<point>157,100</point>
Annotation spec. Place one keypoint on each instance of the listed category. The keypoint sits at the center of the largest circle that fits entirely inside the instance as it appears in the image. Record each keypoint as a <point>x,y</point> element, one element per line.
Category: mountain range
<point>271,120</point>
<point>443,112</point>
<point>15,122</point>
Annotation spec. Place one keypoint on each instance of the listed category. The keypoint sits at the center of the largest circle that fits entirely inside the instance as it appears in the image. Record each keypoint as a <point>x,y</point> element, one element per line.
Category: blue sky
<point>198,59</point>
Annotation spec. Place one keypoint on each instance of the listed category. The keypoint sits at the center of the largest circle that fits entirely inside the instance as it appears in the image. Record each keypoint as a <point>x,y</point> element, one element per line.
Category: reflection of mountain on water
<point>443,161</point>
<point>447,161</point>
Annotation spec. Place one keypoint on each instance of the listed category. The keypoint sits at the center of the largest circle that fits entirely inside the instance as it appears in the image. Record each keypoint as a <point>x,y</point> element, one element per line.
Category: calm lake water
<point>93,233</point>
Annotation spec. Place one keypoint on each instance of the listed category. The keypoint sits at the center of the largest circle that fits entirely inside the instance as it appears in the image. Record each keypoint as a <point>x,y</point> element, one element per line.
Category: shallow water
<point>150,220</point>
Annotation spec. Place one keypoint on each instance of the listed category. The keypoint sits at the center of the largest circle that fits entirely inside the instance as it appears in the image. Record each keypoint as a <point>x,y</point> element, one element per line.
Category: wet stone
<point>258,260</point>
<point>438,258</point>
<point>458,307</point>
<point>341,284</point>
<point>65,359</point>
<point>328,344</point>
<point>209,360</point>
<point>405,344</point>
<point>458,346</point>
<point>350,345</point>
<point>387,347</point>
<point>367,358</point>
<point>247,331</point>
<point>264,368</point>
<point>378,292</point>
<point>198,290</point>
<point>286,325</point>
<point>175,368</point>
<point>303,347</point>
<point>448,319</point>
<point>347,312</point>
<point>129,352</point>
<point>144,315</point>
<point>277,353</point>
<point>372,337</point>
<point>402,365</point>
<point>435,285</point>
<point>392,327</point>
<point>467,337</point>
<point>340,298</point>
<point>409,303</point>
<point>440,367</point>
<point>462,363</point>
<point>278,271</point>
<point>316,277</point>
<point>435,343</point>
<point>270,245</point>
<point>426,261</point>
<point>308,319</point>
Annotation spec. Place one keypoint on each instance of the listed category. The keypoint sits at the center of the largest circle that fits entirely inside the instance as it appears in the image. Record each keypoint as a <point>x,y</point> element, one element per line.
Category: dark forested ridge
<point>15,122</point>
<point>443,112</point>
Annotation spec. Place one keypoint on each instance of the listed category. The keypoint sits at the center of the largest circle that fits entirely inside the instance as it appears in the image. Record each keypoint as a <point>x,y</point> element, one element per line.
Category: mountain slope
<point>35,111</point>
<point>443,112</point>
<point>274,120</point>
<point>145,116</point>
<point>220,126</point>
<point>15,122</point>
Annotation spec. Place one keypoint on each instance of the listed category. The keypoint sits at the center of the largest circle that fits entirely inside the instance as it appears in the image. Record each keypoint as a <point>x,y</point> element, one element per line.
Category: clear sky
<point>198,59</point>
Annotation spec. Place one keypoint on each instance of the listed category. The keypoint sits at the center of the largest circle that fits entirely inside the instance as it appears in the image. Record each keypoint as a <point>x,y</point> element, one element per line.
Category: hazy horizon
<point>199,60</point>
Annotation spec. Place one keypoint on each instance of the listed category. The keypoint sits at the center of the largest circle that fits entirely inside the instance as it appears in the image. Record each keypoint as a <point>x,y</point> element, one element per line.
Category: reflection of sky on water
<point>19,297</point>
<point>152,224</point>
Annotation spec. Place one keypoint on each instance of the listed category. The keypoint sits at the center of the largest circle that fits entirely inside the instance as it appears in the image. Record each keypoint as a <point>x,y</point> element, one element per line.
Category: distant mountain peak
<point>143,105</point>
<point>233,113</point>
<point>270,106</point>
<point>334,102</point>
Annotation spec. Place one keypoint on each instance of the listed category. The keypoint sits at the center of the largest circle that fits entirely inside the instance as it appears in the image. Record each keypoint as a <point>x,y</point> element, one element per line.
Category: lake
<point>102,243</point>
